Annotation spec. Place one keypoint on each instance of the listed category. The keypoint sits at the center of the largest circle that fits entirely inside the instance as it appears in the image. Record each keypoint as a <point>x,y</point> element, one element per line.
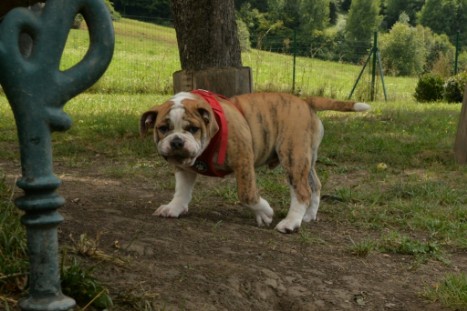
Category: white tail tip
<point>361,107</point>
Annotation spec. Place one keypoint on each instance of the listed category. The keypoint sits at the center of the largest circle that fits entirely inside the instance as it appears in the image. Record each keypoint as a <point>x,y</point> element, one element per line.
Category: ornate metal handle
<point>37,91</point>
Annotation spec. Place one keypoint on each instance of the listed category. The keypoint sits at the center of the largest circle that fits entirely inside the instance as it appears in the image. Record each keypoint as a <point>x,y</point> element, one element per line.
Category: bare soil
<point>215,258</point>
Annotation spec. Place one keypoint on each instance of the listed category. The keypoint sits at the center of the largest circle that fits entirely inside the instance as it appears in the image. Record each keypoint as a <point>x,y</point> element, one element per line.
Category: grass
<point>13,249</point>
<point>146,56</point>
<point>389,172</point>
<point>421,188</point>
<point>80,283</point>
<point>451,292</point>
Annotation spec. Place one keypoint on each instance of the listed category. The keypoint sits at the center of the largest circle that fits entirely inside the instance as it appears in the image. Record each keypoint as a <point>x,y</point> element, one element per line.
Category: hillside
<point>146,56</point>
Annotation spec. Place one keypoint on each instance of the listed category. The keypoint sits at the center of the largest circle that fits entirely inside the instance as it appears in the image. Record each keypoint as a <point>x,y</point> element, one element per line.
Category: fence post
<point>374,52</point>
<point>373,69</point>
<point>456,60</point>
<point>37,90</point>
<point>294,60</point>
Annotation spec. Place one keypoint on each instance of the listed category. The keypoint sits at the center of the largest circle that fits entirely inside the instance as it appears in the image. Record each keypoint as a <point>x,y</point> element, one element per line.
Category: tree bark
<point>206,33</point>
<point>210,53</point>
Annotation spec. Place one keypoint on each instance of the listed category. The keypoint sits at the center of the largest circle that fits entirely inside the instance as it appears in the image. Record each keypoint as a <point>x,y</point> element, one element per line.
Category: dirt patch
<point>215,258</point>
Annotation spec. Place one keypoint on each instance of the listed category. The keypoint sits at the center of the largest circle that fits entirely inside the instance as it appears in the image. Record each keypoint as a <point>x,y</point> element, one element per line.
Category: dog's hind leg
<point>315,184</point>
<point>297,169</point>
<point>314,181</point>
<point>297,210</point>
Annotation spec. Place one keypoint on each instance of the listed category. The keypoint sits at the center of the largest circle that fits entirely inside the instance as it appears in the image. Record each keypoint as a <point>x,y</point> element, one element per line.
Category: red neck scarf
<point>205,162</point>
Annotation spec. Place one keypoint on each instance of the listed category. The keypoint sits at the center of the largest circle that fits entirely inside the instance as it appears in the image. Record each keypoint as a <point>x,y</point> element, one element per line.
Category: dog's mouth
<point>180,160</point>
<point>180,155</point>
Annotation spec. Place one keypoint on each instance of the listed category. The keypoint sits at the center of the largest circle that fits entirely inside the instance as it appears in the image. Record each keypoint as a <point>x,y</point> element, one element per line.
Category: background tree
<point>275,28</point>
<point>345,5</point>
<point>395,7</point>
<point>440,52</point>
<point>261,5</point>
<point>144,9</point>
<point>446,16</point>
<point>314,15</point>
<point>333,11</point>
<point>439,15</point>
<point>362,21</point>
<point>403,50</point>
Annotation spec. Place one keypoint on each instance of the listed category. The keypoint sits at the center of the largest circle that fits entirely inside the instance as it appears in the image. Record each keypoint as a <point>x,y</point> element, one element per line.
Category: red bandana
<point>204,163</point>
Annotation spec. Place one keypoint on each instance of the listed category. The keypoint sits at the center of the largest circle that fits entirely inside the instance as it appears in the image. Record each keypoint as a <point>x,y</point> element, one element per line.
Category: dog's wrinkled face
<point>183,127</point>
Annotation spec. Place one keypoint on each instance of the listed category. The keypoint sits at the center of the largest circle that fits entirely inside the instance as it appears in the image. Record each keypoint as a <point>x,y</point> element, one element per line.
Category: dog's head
<point>183,127</point>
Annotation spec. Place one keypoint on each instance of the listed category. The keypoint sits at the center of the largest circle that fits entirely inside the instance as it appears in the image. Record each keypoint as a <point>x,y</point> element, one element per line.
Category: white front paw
<point>171,210</point>
<point>288,225</point>
<point>263,213</point>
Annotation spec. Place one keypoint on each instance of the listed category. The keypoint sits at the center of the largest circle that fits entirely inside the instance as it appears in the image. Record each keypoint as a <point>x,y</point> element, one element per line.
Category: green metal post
<point>294,60</point>
<point>381,73</point>
<point>456,60</point>
<point>37,90</point>
<point>359,76</point>
<point>374,51</point>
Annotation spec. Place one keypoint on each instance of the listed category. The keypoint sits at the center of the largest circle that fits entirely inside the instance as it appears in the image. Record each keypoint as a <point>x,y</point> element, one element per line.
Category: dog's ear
<point>147,121</point>
<point>210,121</point>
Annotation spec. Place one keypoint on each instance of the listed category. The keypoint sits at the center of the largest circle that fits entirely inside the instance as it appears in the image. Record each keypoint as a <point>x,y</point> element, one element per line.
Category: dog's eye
<point>163,129</point>
<point>192,129</point>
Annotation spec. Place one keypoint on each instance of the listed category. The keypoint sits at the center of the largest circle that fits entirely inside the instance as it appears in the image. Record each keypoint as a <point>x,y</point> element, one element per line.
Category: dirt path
<point>215,258</point>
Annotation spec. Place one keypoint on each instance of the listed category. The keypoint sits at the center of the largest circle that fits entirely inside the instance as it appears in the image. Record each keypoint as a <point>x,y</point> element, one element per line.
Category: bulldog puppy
<point>238,134</point>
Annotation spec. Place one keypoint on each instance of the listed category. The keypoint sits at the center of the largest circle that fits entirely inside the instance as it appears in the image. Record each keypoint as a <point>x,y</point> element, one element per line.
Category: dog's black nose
<point>176,143</point>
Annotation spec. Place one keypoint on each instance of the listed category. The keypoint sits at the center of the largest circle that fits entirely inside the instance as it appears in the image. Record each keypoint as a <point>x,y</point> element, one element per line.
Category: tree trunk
<point>206,33</point>
<point>209,48</point>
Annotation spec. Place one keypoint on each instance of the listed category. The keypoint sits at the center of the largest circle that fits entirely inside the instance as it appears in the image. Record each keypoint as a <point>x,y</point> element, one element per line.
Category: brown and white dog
<point>263,128</point>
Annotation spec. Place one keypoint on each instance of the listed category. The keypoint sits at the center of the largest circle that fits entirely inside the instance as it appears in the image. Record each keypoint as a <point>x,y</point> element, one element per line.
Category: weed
<point>306,237</point>
<point>362,248</point>
<point>90,247</point>
<point>80,284</point>
<point>397,243</point>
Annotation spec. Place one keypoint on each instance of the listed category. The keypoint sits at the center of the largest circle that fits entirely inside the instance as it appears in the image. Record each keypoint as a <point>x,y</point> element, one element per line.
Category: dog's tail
<point>323,103</point>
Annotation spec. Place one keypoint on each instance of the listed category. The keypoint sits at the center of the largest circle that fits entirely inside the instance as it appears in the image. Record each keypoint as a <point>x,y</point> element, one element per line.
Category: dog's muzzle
<point>177,151</point>
<point>177,143</point>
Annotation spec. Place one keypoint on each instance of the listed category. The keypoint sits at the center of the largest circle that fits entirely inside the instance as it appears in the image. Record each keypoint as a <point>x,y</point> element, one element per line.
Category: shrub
<point>438,49</point>
<point>454,88</point>
<point>429,88</point>
<point>403,50</point>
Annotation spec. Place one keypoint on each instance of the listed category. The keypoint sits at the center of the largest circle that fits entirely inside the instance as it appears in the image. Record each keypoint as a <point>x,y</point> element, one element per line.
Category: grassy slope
<point>146,55</point>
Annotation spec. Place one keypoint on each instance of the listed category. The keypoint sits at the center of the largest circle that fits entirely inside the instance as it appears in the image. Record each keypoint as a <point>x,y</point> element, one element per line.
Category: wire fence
<point>146,56</point>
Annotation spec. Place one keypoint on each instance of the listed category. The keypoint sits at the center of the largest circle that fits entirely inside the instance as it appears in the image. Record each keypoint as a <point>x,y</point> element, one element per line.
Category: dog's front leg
<point>248,195</point>
<point>184,183</point>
